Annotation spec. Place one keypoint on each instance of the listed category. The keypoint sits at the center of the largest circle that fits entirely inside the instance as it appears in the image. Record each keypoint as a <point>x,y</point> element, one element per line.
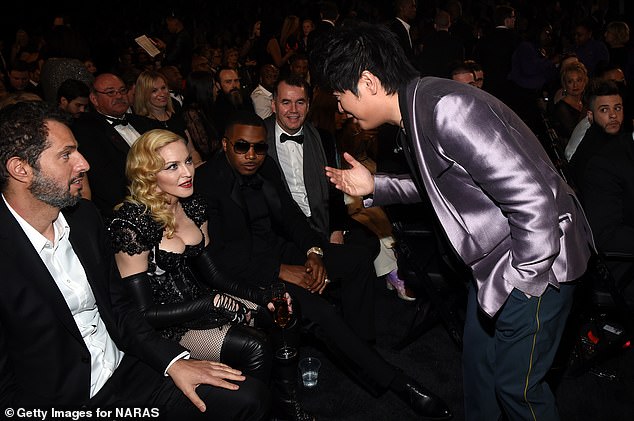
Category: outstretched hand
<point>356,181</point>
<point>189,374</point>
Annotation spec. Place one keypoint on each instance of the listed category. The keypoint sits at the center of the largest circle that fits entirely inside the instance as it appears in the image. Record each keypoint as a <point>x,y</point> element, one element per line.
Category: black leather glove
<point>212,277</point>
<point>163,315</point>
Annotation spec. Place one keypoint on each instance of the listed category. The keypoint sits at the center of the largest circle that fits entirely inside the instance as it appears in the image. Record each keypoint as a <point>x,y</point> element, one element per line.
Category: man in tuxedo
<point>404,15</point>
<point>329,13</point>
<point>504,208</point>
<point>105,135</point>
<point>494,52</point>
<point>302,151</point>
<point>69,336</point>
<point>259,234</point>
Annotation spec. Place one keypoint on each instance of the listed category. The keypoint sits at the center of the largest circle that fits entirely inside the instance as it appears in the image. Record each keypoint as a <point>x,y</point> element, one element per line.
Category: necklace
<point>160,120</point>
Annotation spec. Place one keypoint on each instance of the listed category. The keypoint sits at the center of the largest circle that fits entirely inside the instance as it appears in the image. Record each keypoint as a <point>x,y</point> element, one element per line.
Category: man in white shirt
<point>262,95</point>
<point>69,337</point>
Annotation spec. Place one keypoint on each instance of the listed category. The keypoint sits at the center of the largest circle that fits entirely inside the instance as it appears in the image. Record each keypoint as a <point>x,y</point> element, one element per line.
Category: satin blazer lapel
<point>20,257</point>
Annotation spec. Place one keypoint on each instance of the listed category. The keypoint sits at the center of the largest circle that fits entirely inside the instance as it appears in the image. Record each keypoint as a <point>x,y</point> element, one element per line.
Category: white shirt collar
<point>60,226</point>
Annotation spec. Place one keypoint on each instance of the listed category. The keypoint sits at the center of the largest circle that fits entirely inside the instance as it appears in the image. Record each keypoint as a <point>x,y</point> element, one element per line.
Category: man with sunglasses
<point>259,234</point>
<point>105,135</point>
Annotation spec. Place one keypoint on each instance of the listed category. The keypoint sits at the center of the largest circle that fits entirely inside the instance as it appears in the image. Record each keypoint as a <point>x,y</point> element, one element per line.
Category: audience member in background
<point>400,25</point>
<point>15,97</point>
<point>617,38</point>
<point>105,135</point>
<point>198,111</point>
<point>363,146</point>
<point>533,68</point>
<point>566,113</point>
<point>152,99</point>
<point>477,71</point>
<point>298,65</point>
<point>607,191</point>
<point>614,74</point>
<point>178,46</point>
<point>307,27</point>
<point>175,84</point>
<point>266,48</point>
<point>72,97</point>
<point>590,51</point>
<point>90,66</point>
<point>462,72</point>
<point>605,114</point>
<point>494,51</point>
<point>232,61</point>
<point>290,33</point>
<point>262,95</point>
<point>231,97</point>
<point>440,48</point>
<point>18,78</point>
<point>129,78</point>
<point>329,15</point>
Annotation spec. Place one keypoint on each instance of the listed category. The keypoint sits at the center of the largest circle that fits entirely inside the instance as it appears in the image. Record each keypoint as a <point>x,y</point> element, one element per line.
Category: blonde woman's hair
<point>575,66</point>
<point>142,165</point>
<point>143,91</point>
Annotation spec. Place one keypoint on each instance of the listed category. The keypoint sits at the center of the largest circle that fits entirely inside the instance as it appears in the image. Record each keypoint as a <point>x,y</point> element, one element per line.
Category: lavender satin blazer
<point>504,207</point>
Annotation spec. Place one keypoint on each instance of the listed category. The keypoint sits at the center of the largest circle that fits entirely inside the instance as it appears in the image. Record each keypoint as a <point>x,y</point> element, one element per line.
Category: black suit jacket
<point>399,30</point>
<point>607,188</point>
<point>43,358</point>
<point>229,226</point>
<point>327,207</point>
<point>106,152</point>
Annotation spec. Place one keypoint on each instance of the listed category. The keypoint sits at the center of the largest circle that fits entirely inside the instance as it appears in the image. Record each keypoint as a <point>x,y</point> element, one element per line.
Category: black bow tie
<point>117,121</point>
<point>297,138</point>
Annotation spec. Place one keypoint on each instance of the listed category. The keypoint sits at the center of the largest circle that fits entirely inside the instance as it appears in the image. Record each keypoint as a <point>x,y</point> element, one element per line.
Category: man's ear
<point>370,82</point>
<point>590,116</point>
<point>19,169</point>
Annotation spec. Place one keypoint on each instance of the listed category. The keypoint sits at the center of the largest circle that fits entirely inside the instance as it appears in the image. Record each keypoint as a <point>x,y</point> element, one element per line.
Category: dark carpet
<point>604,391</point>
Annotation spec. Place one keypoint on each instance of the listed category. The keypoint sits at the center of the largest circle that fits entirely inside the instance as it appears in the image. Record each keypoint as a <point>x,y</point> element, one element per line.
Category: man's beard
<point>48,191</point>
<point>235,98</point>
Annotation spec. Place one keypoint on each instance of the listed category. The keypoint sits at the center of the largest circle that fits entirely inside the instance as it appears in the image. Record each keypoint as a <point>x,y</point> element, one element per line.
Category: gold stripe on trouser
<point>530,364</point>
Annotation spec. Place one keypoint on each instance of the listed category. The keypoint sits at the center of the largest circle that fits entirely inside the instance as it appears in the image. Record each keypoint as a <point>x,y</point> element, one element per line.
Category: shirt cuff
<point>183,355</point>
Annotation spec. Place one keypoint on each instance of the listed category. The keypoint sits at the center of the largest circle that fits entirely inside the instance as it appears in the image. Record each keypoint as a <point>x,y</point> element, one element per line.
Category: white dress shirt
<point>69,276</point>
<point>291,158</point>
<point>127,132</point>
<point>261,99</point>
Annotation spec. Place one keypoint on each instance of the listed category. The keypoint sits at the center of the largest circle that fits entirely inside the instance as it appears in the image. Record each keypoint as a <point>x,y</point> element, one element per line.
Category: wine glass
<point>281,316</point>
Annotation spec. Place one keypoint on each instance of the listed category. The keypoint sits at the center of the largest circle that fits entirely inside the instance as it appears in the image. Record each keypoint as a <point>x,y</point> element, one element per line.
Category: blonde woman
<point>152,100</point>
<point>159,235</point>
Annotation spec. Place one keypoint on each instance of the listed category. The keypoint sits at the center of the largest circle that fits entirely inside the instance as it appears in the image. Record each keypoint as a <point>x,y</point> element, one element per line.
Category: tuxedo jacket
<point>43,358</point>
<point>327,208</point>
<point>503,206</point>
<point>396,26</point>
<point>106,152</point>
<point>229,224</point>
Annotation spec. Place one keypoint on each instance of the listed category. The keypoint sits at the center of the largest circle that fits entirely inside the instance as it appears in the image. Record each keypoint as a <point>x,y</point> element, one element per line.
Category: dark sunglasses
<point>242,146</point>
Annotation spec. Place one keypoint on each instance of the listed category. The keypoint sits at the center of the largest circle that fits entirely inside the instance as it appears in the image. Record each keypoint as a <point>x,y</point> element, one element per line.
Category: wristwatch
<point>316,250</point>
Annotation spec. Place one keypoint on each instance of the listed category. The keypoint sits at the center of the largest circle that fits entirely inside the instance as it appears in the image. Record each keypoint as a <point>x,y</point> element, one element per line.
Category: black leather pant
<point>248,349</point>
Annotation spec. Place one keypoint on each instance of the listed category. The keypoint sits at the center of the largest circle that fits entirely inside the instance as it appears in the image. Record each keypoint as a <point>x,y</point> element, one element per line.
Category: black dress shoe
<point>425,403</point>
